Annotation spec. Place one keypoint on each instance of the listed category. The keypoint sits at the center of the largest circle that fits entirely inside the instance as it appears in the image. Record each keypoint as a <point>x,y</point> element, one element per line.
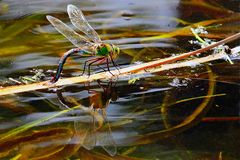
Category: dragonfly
<point>89,45</point>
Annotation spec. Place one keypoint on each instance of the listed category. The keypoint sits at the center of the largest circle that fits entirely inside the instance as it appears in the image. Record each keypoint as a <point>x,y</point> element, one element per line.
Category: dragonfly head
<point>115,51</point>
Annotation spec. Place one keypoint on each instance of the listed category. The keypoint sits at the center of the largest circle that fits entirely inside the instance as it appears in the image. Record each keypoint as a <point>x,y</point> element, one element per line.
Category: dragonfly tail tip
<point>49,17</point>
<point>70,7</point>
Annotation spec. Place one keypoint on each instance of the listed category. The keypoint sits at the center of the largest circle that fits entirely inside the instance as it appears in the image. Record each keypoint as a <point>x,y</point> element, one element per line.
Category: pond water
<point>187,113</point>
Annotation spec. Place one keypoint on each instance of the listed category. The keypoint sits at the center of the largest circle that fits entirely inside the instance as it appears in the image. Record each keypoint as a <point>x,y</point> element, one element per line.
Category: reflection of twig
<point>106,75</point>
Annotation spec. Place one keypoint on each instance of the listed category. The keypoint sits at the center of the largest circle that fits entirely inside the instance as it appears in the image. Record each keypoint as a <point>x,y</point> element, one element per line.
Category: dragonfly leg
<point>84,66</point>
<point>114,64</point>
<point>101,68</point>
<point>95,60</point>
<point>109,68</point>
<point>100,62</point>
<point>87,61</point>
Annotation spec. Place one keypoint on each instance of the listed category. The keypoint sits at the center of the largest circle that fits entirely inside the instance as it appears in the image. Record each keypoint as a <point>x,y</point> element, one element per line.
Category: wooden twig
<point>124,71</point>
<point>190,63</point>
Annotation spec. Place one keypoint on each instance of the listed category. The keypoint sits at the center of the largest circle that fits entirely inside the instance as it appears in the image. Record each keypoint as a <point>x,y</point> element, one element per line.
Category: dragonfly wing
<point>110,146</point>
<point>106,139</point>
<point>81,129</point>
<point>70,34</point>
<point>90,141</point>
<point>78,20</point>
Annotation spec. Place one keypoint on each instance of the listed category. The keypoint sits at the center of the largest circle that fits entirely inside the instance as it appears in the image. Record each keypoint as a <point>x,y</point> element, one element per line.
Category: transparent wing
<point>70,34</point>
<point>90,141</point>
<point>78,20</point>
<point>106,139</point>
<point>81,131</point>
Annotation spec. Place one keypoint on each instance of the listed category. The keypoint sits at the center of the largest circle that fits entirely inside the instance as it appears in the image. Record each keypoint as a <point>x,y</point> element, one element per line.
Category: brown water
<point>187,113</point>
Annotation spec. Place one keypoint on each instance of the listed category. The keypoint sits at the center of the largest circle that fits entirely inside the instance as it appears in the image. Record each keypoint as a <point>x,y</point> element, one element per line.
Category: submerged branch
<point>140,68</point>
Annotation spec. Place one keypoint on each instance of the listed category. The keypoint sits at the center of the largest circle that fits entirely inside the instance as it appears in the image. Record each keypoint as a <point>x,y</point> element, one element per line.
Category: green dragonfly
<point>91,45</point>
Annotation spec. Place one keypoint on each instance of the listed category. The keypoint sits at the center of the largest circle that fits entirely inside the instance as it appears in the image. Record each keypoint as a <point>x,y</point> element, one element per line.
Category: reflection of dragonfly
<point>93,135</point>
<point>87,46</point>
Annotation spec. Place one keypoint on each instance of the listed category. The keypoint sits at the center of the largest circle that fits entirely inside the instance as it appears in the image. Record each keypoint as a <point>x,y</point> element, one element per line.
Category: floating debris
<point>178,83</point>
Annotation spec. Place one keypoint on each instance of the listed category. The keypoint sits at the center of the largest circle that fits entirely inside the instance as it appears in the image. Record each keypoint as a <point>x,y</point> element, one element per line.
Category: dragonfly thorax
<point>106,50</point>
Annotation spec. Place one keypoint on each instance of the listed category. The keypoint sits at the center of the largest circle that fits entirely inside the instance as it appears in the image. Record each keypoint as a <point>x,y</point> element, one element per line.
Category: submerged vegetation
<point>174,95</point>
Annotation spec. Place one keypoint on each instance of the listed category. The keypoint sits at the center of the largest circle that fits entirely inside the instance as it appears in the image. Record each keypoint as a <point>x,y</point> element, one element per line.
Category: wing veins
<point>75,38</point>
<point>79,21</point>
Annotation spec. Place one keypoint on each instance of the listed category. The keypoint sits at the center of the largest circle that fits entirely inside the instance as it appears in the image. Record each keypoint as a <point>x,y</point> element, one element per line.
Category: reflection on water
<point>90,133</point>
<point>156,117</point>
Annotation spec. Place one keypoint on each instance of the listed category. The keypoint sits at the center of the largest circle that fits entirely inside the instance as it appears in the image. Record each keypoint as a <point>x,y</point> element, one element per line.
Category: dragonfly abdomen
<point>63,60</point>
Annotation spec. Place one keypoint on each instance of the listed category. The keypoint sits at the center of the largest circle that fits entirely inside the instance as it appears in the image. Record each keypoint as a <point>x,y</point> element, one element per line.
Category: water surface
<point>153,118</point>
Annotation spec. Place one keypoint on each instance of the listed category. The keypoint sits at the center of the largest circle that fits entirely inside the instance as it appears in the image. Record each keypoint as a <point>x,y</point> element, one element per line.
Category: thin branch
<point>124,71</point>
